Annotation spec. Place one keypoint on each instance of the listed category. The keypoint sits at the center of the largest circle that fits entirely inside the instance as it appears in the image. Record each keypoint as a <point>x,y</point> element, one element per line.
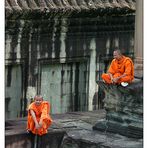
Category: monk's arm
<point>45,112</point>
<point>111,76</point>
<point>117,78</point>
<point>128,68</point>
<point>122,75</point>
<point>34,119</point>
<point>111,70</point>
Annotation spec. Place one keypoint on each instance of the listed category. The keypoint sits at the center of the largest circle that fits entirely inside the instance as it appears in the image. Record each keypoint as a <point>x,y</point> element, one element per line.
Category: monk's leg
<point>125,79</point>
<point>42,142</point>
<point>31,137</point>
<point>116,75</point>
<point>106,78</point>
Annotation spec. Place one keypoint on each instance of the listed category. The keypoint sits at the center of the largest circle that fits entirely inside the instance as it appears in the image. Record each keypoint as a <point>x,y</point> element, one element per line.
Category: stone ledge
<point>70,130</point>
<point>16,135</point>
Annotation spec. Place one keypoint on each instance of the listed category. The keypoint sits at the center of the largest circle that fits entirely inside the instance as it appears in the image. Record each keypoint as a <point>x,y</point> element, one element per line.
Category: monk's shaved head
<point>38,96</point>
<point>118,51</point>
<point>38,99</point>
<point>117,54</point>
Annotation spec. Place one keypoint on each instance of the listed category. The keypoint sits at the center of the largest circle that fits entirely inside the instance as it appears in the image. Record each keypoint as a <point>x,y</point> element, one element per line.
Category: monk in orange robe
<point>38,116</point>
<point>121,70</point>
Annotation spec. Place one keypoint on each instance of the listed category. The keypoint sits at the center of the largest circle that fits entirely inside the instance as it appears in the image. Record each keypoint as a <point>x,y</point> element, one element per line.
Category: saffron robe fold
<point>42,113</point>
<point>118,68</point>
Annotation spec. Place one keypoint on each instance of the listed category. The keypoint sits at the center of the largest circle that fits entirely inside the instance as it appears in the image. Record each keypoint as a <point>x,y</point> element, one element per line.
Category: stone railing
<point>124,109</point>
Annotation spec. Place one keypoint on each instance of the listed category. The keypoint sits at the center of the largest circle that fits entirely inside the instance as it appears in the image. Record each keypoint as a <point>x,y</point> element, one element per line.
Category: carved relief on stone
<point>99,4</point>
<point>8,9</point>
<point>24,4</point>
<point>32,4</point>
<point>132,4</point>
<point>107,4</point>
<point>51,5</point>
<point>124,4</point>
<point>14,5</point>
<point>82,4</point>
<point>42,5</point>
<point>59,4</point>
<point>74,4</point>
<point>116,4</point>
<point>7,6</point>
<point>91,4</point>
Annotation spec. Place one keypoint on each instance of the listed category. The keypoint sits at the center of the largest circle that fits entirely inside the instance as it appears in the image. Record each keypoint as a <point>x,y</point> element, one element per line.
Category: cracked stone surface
<point>71,130</point>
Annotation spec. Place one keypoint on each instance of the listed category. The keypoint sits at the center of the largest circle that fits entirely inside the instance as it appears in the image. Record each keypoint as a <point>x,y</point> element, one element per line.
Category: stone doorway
<point>65,86</point>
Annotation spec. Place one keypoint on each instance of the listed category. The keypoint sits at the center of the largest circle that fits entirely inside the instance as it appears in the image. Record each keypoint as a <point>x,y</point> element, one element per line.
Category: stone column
<point>139,39</point>
<point>64,30</point>
<point>92,74</point>
<point>31,90</point>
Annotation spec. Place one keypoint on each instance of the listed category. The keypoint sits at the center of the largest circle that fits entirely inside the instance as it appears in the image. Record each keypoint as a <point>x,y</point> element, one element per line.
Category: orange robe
<point>118,68</point>
<point>42,112</point>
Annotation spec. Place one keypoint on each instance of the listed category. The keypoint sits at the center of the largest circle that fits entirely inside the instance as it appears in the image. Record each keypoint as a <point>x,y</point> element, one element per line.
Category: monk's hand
<point>115,80</point>
<point>40,123</point>
<point>37,125</point>
<point>112,80</point>
<point>111,77</point>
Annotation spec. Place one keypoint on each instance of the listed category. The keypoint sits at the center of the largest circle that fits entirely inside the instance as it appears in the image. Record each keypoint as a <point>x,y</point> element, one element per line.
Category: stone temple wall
<point>60,54</point>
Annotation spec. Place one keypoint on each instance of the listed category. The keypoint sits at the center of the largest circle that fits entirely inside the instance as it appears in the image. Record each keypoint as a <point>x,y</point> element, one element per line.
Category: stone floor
<point>79,133</point>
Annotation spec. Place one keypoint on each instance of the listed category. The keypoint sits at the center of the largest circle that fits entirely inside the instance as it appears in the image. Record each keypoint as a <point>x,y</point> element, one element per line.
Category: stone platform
<point>70,130</point>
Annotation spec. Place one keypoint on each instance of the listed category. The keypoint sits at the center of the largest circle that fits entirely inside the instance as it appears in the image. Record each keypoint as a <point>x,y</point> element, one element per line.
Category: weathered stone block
<point>124,106</point>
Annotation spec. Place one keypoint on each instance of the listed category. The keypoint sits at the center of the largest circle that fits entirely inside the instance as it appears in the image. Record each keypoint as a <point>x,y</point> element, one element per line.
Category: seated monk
<point>121,70</point>
<point>38,116</point>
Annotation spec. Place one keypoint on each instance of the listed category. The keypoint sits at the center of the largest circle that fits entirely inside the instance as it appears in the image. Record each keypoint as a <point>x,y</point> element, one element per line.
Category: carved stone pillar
<point>139,39</point>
